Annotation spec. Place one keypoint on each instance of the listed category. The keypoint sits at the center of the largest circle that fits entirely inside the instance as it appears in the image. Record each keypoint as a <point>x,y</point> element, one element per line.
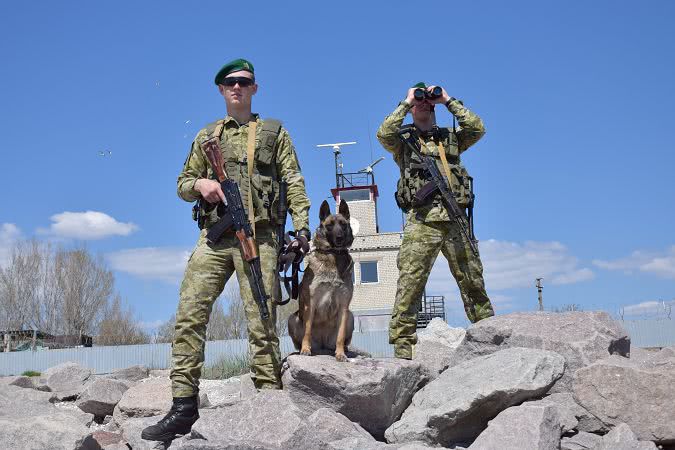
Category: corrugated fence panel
<point>650,333</point>
<point>644,333</point>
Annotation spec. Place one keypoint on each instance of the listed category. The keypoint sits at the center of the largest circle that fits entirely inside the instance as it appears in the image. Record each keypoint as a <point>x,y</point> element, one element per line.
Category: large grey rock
<point>525,427</point>
<point>67,380</point>
<point>623,438</point>
<point>269,419</point>
<point>247,387</point>
<point>371,392</point>
<point>101,396</point>
<point>22,382</point>
<point>29,421</point>
<point>580,441</point>
<point>574,416</point>
<point>581,337</point>
<point>618,390</point>
<point>220,392</point>
<point>148,397</point>
<point>456,407</point>
<point>567,419</point>
<point>133,373</point>
<point>436,344</point>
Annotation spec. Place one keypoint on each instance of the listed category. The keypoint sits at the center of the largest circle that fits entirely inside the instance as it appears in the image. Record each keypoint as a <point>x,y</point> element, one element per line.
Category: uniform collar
<point>230,121</point>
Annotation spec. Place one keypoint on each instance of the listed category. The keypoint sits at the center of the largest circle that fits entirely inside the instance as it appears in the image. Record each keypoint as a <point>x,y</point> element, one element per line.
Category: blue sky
<point>573,177</point>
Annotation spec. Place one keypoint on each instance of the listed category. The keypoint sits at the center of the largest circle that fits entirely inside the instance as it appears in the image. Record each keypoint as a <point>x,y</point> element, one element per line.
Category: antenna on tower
<point>539,289</point>
<point>369,168</point>
<point>338,159</point>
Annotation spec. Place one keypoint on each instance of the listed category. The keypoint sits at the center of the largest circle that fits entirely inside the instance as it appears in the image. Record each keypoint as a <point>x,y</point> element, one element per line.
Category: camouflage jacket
<point>470,129</point>
<point>280,164</point>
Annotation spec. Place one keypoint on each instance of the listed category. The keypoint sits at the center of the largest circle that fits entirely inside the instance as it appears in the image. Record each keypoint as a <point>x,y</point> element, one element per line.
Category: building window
<point>369,272</point>
<point>355,194</point>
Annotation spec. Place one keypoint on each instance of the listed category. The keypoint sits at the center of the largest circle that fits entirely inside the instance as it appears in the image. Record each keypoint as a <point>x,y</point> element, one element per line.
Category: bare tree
<point>119,327</point>
<point>567,308</point>
<point>236,323</point>
<point>166,332</point>
<point>86,286</point>
<point>217,329</point>
<point>19,286</point>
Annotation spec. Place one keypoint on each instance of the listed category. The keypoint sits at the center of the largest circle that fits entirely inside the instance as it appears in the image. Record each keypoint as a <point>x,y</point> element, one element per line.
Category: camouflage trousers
<point>421,244</point>
<point>208,270</point>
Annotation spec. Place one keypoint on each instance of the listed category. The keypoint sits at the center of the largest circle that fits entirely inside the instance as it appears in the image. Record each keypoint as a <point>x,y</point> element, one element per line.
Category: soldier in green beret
<point>211,265</point>
<point>428,228</point>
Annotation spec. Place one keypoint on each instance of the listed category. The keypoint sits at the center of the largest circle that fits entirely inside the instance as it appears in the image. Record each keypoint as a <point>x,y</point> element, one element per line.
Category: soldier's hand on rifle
<point>442,99</point>
<point>210,190</point>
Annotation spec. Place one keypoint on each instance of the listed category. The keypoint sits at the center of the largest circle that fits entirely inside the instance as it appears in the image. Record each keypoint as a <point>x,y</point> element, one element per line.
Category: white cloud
<point>510,265</point>
<point>165,264</point>
<point>513,265</point>
<point>88,225</point>
<point>660,264</point>
<point>9,235</point>
<point>151,326</point>
<point>649,308</point>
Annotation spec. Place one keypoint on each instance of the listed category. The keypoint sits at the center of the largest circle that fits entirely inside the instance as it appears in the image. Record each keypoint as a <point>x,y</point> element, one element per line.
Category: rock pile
<point>520,381</point>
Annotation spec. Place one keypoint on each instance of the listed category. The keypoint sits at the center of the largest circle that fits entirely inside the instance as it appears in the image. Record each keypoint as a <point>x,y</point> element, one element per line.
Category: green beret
<point>234,66</point>
<point>421,84</point>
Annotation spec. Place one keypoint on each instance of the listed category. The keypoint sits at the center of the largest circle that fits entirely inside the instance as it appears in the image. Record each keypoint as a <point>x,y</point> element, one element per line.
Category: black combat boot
<point>183,414</point>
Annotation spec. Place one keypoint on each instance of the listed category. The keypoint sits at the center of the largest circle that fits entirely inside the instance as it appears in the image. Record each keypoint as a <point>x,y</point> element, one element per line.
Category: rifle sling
<point>444,160</point>
<point>250,155</point>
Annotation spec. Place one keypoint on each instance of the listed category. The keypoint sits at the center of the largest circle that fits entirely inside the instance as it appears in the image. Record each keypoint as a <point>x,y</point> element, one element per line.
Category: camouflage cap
<point>233,66</point>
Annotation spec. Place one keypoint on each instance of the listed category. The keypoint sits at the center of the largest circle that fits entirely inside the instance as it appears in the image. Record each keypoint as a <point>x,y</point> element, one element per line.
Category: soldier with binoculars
<point>430,228</point>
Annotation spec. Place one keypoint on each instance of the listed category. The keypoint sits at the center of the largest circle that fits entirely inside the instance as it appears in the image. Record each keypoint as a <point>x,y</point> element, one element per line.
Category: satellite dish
<point>369,167</point>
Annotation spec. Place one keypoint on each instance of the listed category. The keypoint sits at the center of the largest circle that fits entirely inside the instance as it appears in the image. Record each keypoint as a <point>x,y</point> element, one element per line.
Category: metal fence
<point>158,356</point>
<point>644,333</point>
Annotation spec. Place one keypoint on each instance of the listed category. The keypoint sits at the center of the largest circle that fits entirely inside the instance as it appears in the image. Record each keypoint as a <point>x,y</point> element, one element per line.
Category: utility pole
<point>539,289</point>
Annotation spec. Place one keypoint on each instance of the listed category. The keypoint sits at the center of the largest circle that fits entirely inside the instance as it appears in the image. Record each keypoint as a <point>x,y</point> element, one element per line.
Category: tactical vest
<point>262,189</point>
<point>413,175</point>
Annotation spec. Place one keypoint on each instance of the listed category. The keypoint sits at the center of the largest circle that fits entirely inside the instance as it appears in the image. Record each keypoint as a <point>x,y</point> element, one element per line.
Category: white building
<point>374,253</point>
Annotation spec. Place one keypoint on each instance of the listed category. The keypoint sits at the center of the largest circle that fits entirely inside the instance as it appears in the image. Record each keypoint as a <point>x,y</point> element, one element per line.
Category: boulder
<point>580,441</point>
<point>574,416</point>
<point>270,420</point>
<point>22,382</point>
<point>621,390</point>
<point>623,438</point>
<point>435,345</point>
<point>101,396</point>
<point>525,427</point>
<point>247,389</point>
<point>456,407</point>
<point>220,392</point>
<point>581,337</point>
<point>133,373</point>
<point>29,421</point>
<point>67,380</point>
<point>371,392</point>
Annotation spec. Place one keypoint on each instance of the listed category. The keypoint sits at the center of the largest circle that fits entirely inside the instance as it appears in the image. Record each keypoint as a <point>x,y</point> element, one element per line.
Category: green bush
<point>228,367</point>
<point>31,373</point>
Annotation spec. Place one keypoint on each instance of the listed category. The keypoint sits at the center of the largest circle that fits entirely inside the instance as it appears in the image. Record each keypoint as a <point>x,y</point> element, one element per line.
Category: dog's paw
<point>306,351</point>
<point>341,357</point>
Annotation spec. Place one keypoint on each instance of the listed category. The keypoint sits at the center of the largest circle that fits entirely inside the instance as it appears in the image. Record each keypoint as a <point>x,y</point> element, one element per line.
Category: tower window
<point>369,272</point>
<point>355,195</point>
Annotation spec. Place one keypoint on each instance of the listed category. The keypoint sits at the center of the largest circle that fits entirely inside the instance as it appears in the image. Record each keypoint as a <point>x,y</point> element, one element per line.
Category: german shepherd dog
<point>323,320</point>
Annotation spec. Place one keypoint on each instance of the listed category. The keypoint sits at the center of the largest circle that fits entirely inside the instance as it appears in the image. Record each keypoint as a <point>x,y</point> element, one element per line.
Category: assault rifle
<point>234,217</point>
<point>408,135</point>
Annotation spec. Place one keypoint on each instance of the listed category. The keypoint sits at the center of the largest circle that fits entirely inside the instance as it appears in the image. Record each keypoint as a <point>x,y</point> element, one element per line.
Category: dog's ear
<point>344,209</point>
<point>324,211</point>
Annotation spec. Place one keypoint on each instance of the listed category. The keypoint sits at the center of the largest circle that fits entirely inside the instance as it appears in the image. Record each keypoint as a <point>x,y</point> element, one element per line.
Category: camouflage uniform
<point>429,230</point>
<point>210,266</point>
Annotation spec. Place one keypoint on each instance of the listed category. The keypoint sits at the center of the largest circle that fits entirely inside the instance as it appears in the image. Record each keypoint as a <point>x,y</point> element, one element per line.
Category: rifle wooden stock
<point>212,149</point>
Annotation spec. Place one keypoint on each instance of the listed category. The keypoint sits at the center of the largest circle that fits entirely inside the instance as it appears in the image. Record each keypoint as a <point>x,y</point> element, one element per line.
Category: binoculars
<point>420,94</point>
